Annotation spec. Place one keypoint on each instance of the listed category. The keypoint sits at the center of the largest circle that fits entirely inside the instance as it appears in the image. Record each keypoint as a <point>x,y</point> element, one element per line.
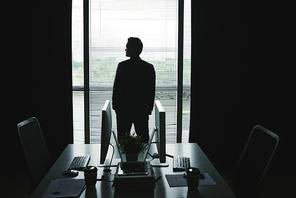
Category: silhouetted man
<point>133,91</point>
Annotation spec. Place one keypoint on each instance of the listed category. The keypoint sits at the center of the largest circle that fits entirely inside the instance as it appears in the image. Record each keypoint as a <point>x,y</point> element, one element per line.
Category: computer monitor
<point>160,137</point>
<point>106,128</point>
<point>106,131</point>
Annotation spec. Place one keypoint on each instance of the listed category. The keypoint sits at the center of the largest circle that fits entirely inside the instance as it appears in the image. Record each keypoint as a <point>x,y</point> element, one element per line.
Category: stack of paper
<point>65,188</point>
<point>135,183</point>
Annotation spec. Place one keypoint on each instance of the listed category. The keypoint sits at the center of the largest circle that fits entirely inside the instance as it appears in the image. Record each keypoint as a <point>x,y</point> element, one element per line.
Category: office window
<point>111,23</point>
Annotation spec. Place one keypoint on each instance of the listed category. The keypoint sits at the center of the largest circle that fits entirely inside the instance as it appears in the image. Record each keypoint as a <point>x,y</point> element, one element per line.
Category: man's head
<point>134,47</point>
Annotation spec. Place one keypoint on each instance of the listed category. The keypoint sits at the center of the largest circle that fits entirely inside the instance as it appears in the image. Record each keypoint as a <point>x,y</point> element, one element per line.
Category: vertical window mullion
<point>86,71</point>
<point>180,69</point>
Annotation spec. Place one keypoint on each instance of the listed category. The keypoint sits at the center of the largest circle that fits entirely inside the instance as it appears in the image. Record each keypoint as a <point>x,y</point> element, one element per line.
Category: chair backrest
<point>35,150</point>
<point>250,171</point>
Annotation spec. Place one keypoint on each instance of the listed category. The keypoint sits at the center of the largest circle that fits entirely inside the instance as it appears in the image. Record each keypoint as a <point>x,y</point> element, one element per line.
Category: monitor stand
<point>155,160</point>
<point>110,157</point>
<point>156,163</point>
<point>110,160</point>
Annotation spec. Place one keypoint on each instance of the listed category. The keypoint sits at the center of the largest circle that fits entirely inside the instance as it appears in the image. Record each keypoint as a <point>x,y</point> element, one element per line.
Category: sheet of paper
<point>177,180</point>
<point>65,188</point>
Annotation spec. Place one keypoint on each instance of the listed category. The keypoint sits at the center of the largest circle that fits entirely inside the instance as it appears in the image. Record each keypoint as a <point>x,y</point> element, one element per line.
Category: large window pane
<point>111,23</point>
<point>77,70</point>
<point>77,42</point>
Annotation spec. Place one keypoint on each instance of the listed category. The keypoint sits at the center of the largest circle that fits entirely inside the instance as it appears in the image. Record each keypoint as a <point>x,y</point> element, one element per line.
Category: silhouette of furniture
<point>249,174</point>
<point>35,150</point>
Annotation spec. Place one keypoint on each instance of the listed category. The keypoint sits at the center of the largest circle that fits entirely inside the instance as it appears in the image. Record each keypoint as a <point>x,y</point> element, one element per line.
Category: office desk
<point>104,189</point>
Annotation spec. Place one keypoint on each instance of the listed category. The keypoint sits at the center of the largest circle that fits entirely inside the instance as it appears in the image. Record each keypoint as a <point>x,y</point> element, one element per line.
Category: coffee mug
<point>192,175</point>
<point>90,176</point>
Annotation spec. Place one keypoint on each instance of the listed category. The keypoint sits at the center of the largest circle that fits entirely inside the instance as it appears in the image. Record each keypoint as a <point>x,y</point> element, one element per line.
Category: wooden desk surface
<point>104,189</point>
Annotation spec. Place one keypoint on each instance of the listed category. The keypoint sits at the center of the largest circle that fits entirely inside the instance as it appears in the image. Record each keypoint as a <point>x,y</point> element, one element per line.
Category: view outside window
<point>111,23</point>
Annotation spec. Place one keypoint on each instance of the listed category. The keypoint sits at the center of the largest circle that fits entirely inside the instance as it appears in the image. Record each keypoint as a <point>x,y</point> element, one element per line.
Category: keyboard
<point>79,162</point>
<point>180,163</point>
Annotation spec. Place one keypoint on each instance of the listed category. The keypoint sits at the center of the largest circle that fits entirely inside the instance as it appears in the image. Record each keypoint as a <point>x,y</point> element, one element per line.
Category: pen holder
<point>90,176</point>
<point>192,175</point>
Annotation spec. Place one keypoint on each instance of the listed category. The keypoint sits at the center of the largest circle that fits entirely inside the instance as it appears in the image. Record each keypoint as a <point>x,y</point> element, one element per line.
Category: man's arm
<point>116,90</point>
<point>152,90</point>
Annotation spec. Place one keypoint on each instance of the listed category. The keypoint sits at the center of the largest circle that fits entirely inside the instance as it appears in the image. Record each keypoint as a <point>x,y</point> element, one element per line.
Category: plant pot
<point>131,157</point>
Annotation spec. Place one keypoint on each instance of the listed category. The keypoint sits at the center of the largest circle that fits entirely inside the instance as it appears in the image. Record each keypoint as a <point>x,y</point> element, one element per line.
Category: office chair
<point>251,168</point>
<point>34,149</point>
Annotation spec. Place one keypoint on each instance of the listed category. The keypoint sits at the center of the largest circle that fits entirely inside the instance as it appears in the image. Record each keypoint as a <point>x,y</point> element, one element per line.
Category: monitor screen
<point>106,128</point>
<point>160,131</point>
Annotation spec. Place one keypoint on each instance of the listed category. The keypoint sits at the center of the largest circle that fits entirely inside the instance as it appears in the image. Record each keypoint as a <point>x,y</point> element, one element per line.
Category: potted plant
<point>131,145</point>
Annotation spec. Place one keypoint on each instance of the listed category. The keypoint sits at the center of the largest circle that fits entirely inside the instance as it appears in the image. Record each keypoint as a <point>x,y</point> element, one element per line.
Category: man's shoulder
<point>135,62</point>
<point>124,62</point>
<point>146,63</point>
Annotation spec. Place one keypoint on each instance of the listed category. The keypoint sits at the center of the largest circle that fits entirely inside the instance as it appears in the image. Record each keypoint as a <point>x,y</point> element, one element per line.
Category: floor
<point>277,184</point>
<point>14,184</point>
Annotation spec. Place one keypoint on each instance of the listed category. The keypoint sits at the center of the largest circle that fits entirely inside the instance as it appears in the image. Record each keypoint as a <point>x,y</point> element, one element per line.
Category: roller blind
<point>113,21</point>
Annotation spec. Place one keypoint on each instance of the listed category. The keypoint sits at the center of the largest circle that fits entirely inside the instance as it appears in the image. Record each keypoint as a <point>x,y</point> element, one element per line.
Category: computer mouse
<point>70,173</point>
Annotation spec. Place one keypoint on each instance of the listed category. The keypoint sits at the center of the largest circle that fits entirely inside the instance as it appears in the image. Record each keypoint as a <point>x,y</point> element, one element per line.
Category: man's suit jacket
<point>134,88</point>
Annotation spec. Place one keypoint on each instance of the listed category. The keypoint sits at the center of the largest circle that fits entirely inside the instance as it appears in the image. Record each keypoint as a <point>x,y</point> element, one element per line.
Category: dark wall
<point>39,75</point>
<point>241,76</point>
